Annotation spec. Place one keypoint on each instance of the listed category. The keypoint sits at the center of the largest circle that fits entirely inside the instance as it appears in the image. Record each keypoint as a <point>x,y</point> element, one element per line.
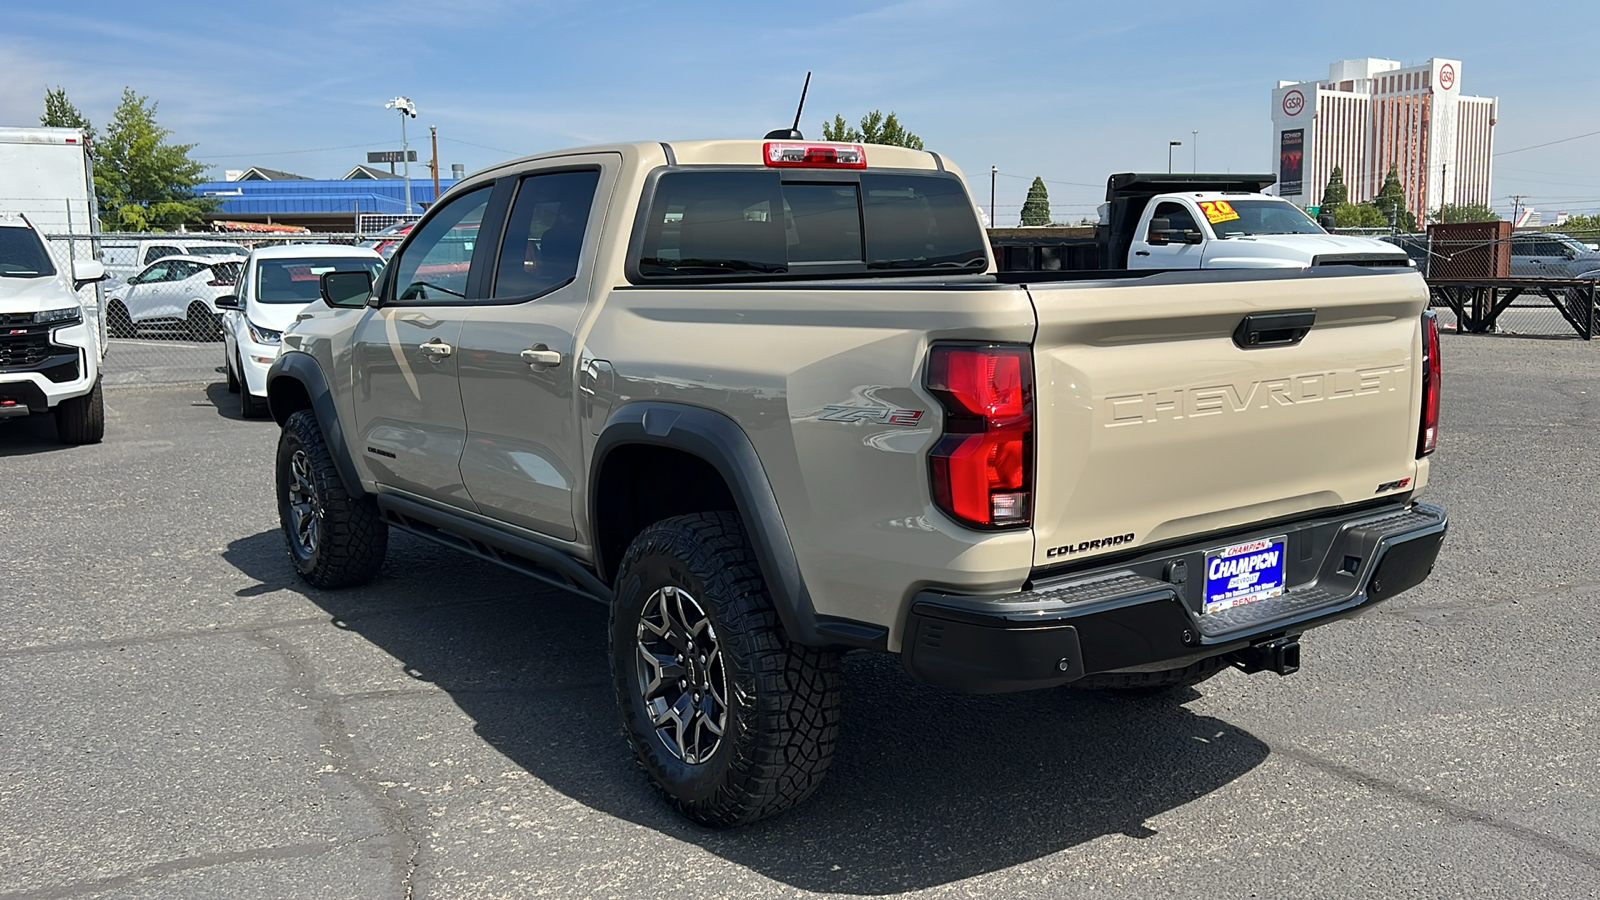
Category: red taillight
<point>982,467</point>
<point>1428,434</point>
<point>816,156</point>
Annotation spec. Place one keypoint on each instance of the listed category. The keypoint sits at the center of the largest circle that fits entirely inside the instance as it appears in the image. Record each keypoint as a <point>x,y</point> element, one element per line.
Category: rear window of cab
<point>716,225</point>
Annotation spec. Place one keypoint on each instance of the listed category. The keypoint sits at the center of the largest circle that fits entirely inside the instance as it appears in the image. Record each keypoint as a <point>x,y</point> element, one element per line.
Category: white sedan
<point>174,293</point>
<point>277,283</point>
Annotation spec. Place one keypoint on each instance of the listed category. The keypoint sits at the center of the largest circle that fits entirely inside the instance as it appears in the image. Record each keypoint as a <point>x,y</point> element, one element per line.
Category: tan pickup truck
<point>769,401</point>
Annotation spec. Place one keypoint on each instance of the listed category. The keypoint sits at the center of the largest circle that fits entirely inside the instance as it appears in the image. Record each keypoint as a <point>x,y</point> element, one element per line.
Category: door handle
<point>436,349</point>
<point>540,355</point>
<point>1141,253</point>
<point>1274,329</point>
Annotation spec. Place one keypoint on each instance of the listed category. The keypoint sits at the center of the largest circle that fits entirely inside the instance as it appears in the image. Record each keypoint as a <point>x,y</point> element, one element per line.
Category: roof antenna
<point>793,133</point>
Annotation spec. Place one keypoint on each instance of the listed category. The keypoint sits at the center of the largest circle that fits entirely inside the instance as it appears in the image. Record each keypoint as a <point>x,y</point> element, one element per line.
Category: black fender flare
<point>720,441</point>
<point>303,368</point>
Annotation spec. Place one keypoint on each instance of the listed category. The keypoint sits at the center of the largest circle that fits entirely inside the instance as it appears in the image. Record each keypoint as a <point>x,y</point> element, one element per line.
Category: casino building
<point>1370,114</point>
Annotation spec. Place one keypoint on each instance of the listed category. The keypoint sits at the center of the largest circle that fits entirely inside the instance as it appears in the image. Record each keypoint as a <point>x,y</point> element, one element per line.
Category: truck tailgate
<point>1153,424</point>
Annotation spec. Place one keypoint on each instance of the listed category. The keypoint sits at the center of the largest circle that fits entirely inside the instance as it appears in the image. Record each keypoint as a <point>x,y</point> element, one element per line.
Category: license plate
<point>1244,573</point>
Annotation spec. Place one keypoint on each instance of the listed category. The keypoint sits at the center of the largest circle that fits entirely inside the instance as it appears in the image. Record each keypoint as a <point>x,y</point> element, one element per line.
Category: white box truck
<point>52,333</point>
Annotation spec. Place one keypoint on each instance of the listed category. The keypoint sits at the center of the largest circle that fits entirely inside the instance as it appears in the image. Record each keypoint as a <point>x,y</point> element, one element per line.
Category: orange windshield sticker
<point>1218,211</point>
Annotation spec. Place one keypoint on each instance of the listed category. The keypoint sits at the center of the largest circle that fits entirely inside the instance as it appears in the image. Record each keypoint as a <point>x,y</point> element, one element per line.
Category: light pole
<point>1194,151</point>
<point>1170,145</point>
<point>405,108</point>
<point>993,171</point>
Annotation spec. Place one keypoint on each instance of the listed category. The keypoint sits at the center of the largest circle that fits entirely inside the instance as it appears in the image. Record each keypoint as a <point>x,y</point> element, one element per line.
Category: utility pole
<point>1170,145</point>
<point>1516,207</point>
<point>1194,150</point>
<point>433,132</point>
<point>993,171</point>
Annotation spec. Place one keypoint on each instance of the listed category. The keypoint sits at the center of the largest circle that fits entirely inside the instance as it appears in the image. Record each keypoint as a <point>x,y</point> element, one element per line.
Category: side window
<point>1176,214</point>
<point>436,263</point>
<point>156,274</point>
<point>242,284</point>
<point>159,251</point>
<point>544,233</point>
<point>182,269</point>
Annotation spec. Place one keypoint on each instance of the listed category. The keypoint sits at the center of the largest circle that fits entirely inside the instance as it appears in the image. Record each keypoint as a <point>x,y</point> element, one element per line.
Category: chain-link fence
<point>156,311</point>
<point>1484,277</point>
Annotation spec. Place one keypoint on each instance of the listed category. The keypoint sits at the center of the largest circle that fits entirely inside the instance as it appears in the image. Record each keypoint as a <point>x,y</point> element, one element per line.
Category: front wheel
<point>334,540</point>
<point>250,406</point>
<point>730,721</point>
<point>82,420</point>
<point>118,323</point>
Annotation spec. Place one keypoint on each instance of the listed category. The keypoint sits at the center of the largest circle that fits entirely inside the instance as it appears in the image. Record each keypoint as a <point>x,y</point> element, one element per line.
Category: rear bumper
<point>1143,614</point>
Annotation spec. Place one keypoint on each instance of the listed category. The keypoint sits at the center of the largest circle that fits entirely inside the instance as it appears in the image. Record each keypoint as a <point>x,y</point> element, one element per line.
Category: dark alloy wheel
<point>730,720</point>
<point>334,539</point>
<point>680,676</point>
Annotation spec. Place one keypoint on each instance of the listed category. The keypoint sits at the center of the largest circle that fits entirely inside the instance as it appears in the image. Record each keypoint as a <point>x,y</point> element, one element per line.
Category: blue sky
<point>1070,91</point>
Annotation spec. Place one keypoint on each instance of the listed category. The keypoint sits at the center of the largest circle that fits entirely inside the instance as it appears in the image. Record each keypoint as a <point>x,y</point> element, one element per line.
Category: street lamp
<point>1170,145</point>
<point>1194,151</point>
<point>406,108</point>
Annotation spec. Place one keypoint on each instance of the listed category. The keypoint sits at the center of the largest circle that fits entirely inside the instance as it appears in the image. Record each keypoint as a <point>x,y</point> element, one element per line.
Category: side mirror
<point>1159,229</point>
<point>346,290</point>
<point>87,271</point>
<point>1327,222</point>
<point>227,301</point>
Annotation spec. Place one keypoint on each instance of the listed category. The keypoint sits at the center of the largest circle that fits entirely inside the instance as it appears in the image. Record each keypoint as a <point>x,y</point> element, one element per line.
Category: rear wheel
<point>201,324</point>
<point>82,420</point>
<point>118,323</point>
<point>334,540</point>
<point>730,721</point>
<point>1148,684</point>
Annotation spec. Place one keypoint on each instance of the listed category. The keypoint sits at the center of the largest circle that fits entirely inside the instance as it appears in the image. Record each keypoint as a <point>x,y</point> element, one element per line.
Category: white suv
<point>178,293</point>
<point>49,353</point>
<point>276,284</point>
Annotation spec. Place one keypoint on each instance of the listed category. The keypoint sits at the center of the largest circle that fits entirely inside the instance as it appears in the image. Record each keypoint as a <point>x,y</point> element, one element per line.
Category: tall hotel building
<point>1370,114</point>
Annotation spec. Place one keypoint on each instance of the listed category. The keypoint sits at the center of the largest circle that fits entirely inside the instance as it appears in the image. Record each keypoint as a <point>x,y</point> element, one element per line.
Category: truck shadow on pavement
<point>26,435</point>
<point>927,787</point>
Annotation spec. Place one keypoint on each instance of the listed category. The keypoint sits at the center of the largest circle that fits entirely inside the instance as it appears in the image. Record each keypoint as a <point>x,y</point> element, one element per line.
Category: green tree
<point>1466,212</point>
<point>1359,215</point>
<point>875,128</point>
<point>1036,209</point>
<point>1391,201</point>
<point>60,113</point>
<point>1335,194</point>
<point>143,182</point>
<point>1587,226</point>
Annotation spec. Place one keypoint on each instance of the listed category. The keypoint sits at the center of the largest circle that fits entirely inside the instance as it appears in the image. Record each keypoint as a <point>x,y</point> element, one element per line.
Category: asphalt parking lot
<point>182,718</point>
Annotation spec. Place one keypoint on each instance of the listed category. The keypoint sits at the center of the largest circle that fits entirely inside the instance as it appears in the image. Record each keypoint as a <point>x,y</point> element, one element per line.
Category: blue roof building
<point>279,198</point>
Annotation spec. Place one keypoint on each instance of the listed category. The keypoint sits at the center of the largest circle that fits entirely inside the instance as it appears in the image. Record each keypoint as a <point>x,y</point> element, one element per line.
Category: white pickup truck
<point>1205,221</point>
<point>1240,230</point>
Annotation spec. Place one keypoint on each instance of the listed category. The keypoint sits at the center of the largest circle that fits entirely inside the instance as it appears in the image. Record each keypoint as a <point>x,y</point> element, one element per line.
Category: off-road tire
<point>782,699</point>
<point>118,323</point>
<point>250,406</point>
<point>82,420</point>
<point>350,536</point>
<point>1148,684</point>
